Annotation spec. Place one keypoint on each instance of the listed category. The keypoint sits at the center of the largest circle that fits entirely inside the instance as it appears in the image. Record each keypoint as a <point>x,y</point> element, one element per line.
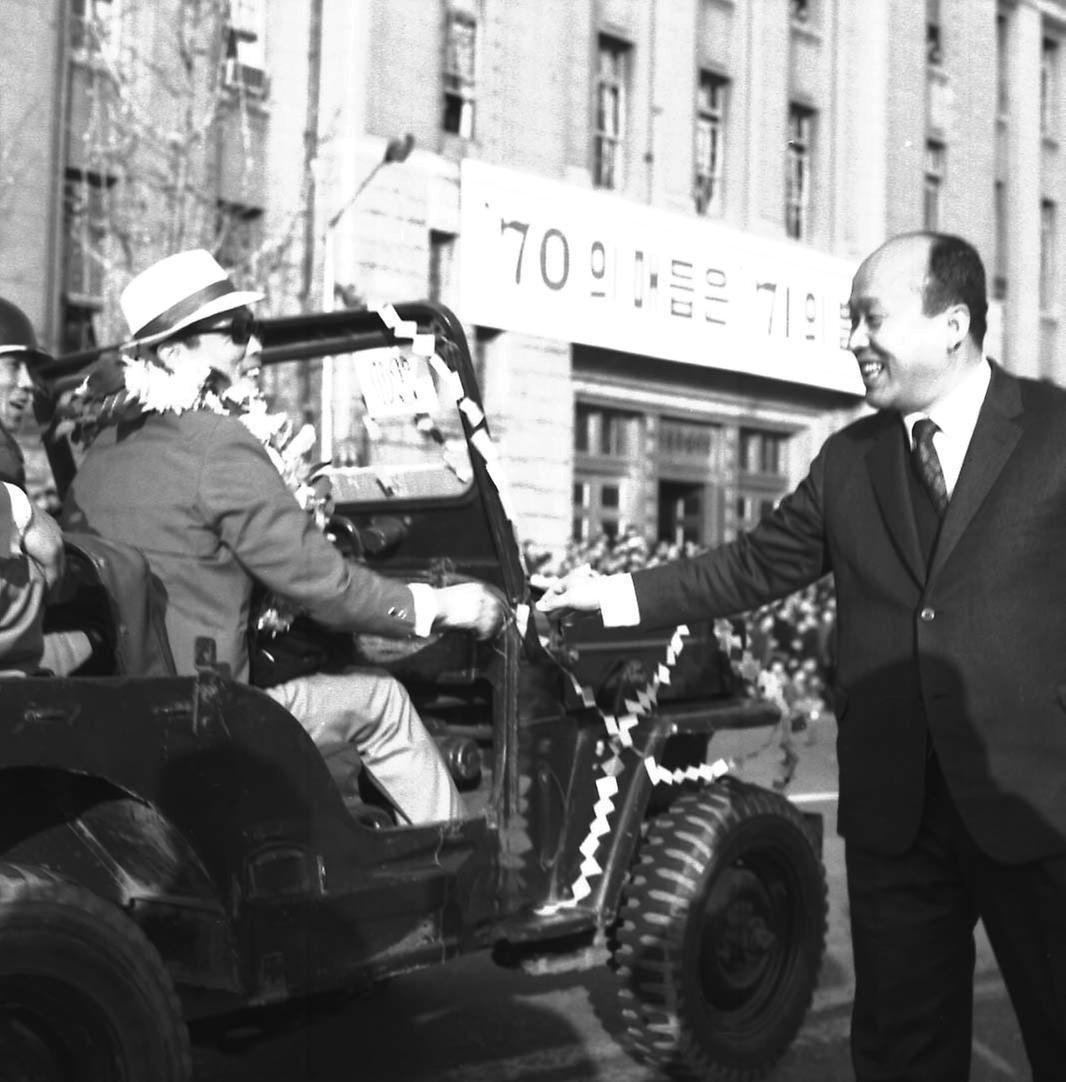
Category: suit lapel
<point>887,463</point>
<point>994,438</point>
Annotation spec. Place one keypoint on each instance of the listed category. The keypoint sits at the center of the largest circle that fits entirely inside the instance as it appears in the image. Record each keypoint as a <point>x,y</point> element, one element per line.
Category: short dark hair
<point>956,275</point>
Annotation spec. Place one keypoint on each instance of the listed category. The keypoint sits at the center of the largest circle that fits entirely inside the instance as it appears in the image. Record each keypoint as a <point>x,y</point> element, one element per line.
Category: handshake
<point>470,606</point>
<point>473,606</point>
<point>578,591</point>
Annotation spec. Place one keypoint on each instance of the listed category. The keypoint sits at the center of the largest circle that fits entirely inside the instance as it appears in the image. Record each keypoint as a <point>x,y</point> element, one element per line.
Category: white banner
<point>554,260</point>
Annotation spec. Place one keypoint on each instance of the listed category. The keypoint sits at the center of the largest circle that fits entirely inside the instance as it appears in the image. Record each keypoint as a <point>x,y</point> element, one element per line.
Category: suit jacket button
<point>927,614</point>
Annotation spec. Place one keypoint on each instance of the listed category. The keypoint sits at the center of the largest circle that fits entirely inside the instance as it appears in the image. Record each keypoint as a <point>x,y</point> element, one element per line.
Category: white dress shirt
<point>956,417</point>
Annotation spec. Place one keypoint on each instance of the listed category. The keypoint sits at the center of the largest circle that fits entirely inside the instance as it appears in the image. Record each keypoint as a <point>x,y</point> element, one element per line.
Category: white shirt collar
<point>955,413</point>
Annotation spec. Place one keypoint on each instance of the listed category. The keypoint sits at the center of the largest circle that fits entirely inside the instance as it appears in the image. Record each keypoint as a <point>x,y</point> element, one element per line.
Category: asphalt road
<point>473,1022</point>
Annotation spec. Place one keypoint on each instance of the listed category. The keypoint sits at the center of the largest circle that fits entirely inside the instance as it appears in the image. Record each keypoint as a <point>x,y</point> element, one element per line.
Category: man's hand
<point>577,592</point>
<point>43,543</point>
<point>470,606</point>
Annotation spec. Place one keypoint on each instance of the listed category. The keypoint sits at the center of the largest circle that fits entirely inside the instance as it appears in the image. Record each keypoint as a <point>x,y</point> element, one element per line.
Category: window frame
<point>934,34</point>
<point>459,86</point>
<point>85,232</point>
<point>711,118</point>
<point>96,29</point>
<point>1050,76</point>
<point>934,172</point>
<point>612,90</point>
<point>1049,255</point>
<point>244,66</point>
<point>999,258</point>
<point>232,222</point>
<point>799,170</point>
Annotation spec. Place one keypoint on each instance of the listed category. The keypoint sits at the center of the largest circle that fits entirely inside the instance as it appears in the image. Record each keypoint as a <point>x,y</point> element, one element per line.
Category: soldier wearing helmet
<point>18,345</point>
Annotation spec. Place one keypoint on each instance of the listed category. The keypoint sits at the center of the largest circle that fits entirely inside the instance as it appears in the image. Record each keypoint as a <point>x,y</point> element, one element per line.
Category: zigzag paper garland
<point>619,736</point>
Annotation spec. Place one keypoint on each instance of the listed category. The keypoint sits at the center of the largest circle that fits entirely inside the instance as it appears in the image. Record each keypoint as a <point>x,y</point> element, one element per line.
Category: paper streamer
<point>619,737</point>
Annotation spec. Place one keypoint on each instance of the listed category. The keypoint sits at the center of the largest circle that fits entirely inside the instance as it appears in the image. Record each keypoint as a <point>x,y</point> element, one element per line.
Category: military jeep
<point>175,849</point>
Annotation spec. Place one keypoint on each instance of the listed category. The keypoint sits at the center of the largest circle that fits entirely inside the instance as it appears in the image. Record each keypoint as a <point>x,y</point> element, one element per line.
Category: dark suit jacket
<point>972,652</point>
<point>197,494</point>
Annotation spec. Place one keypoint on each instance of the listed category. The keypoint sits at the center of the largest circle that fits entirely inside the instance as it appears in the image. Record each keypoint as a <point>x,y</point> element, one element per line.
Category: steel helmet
<point>16,333</point>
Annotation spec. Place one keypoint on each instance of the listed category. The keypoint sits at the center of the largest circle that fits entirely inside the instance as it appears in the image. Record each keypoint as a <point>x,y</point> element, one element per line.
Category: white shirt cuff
<point>618,601</point>
<point>21,513</point>
<point>424,598</point>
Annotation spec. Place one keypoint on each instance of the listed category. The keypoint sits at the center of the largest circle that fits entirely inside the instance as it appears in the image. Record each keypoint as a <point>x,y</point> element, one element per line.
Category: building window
<point>682,512</point>
<point>1002,92</point>
<point>78,330</point>
<point>762,481</point>
<point>441,266</point>
<point>934,43</point>
<point>95,28</point>
<point>460,48</point>
<point>1049,85</point>
<point>238,234</point>
<point>798,177</point>
<point>607,448</point>
<point>596,509</point>
<point>762,453</point>
<point>752,508</point>
<point>611,112</point>
<point>999,265</point>
<point>244,68</point>
<point>606,432</point>
<point>710,142</point>
<point>1048,254</point>
<point>934,183</point>
<point>85,232</point>
<point>85,197</point>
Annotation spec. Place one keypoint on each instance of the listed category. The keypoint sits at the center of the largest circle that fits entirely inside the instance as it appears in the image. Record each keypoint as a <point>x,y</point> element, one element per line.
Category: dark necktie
<point>927,464</point>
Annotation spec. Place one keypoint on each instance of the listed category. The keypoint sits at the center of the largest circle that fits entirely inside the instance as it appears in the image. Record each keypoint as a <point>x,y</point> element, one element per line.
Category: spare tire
<point>721,934</point>
<point>84,996</point>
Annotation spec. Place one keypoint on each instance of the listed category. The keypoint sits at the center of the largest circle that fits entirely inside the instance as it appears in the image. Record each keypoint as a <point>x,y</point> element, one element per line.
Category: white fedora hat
<point>177,292</point>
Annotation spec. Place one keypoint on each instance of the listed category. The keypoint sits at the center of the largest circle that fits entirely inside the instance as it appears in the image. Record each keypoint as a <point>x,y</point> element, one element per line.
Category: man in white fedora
<point>196,492</point>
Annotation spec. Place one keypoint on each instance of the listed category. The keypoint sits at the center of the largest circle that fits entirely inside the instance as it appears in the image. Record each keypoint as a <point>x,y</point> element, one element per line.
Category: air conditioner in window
<point>245,77</point>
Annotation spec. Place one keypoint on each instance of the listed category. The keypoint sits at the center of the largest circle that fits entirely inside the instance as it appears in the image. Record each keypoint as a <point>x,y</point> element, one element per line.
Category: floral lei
<point>122,389</point>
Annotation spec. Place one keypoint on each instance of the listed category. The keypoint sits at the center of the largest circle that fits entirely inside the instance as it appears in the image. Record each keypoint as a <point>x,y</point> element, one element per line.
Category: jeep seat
<point>109,592</point>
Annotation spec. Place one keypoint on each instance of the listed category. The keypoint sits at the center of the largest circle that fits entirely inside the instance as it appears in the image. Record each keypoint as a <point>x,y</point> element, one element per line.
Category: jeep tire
<point>84,996</point>
<point>721,934</point>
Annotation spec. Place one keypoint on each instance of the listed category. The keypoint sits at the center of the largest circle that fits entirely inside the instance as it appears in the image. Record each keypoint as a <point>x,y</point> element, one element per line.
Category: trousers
<point>371,710</point>
<point>912,925</point>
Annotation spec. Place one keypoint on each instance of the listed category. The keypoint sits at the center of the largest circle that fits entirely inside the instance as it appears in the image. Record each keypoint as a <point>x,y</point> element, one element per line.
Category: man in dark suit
<point>197,493</point>
<point>943,519</point>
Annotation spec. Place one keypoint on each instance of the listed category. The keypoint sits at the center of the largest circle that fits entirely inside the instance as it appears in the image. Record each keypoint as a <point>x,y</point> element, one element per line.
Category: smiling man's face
<point>905,356</point>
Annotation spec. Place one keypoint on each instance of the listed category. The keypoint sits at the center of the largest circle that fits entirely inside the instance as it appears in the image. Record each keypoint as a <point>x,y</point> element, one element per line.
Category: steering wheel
<point>345,536</point>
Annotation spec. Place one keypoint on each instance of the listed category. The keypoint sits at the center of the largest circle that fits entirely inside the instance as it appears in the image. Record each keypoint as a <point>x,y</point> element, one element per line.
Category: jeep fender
<point>678,736</point>
<point>72,828</point>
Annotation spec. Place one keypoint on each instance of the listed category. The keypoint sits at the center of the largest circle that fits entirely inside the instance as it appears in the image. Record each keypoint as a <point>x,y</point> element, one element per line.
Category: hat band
<point>187,307</point>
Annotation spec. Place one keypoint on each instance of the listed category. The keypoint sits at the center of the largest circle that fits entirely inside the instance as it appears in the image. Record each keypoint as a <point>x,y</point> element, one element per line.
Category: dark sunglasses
<point>241,327</point>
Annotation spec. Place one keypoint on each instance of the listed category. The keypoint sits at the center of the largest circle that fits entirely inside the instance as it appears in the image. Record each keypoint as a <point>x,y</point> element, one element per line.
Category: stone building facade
<point>646,212</point>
